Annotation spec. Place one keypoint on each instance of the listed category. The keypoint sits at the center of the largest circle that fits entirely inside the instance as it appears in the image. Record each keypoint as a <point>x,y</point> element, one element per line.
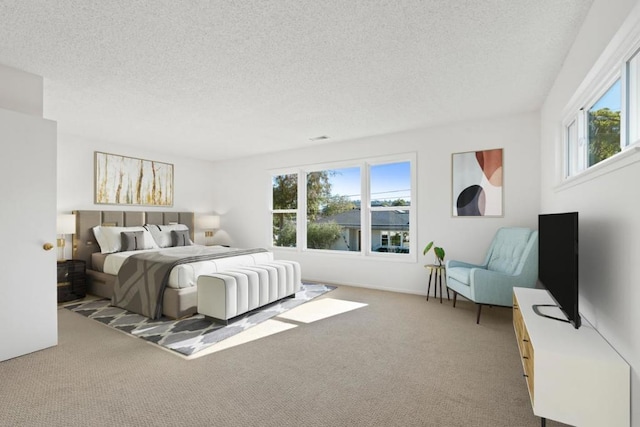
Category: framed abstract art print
<point>122,180</point>
<point>477,183</point>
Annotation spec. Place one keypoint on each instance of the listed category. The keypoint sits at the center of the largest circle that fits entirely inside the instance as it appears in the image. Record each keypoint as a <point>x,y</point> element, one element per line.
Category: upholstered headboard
<point>84,242</point>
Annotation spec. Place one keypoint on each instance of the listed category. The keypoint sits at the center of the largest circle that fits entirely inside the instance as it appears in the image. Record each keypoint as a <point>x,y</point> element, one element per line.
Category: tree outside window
<point>333,220</point>
<point>331,210</point>
<point>284,214</point>
<point>604,126</point>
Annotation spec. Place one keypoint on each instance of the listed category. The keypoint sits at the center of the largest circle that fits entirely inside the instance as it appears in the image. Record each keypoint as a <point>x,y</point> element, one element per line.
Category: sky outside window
<point>611,99</point>
<point>346,182</point>
<point>390,181</point>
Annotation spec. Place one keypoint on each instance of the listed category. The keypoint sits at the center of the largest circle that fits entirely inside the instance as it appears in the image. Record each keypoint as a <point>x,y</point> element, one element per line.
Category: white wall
<point>608,205</point>
<point>242,189</point>
<point>192,178</point>
<point>20,91</point>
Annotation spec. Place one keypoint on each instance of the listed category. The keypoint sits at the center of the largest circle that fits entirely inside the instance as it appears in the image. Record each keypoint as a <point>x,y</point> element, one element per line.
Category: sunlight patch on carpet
<point>320,309</point>
<point>264,329</point>
<point>195,334</point>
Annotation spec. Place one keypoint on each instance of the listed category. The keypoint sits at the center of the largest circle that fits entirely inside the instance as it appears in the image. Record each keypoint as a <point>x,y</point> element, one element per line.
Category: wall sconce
<point>209,223</point>
<point>65,224</point>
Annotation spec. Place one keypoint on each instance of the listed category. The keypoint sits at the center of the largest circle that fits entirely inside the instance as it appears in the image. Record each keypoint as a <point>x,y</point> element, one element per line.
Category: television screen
<point>558,260</point>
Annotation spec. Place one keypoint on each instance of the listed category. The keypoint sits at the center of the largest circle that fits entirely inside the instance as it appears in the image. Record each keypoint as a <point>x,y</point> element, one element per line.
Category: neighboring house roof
<point>380,220</point>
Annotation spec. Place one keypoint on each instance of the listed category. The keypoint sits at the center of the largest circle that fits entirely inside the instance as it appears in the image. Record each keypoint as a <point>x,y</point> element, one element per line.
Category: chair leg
<point>455,296</point>
<point>478,319</point>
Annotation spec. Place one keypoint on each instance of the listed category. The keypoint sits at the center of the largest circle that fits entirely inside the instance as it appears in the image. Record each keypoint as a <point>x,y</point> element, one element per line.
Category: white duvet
<point>186,275</point>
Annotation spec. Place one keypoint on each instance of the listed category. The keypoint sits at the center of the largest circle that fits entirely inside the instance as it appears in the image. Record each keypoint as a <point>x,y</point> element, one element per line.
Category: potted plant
<point>438,251</point>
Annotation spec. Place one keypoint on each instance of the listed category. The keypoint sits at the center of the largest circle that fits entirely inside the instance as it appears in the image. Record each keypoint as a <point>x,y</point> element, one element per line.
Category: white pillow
<point>110,238</point>
<point>162,233</point>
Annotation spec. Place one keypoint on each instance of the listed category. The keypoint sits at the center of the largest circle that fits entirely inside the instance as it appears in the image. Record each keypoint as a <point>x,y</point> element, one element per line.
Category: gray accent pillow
<point>132,240</point>
<point>180,238</point>
<point>162,233</point>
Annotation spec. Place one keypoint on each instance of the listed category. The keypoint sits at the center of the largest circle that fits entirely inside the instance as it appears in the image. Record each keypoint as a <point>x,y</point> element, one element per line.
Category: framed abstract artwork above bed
<point>122,180</point>
<point>477,183</point>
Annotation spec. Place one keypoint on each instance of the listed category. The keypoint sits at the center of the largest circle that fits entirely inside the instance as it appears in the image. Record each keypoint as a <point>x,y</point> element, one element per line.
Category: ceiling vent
<point>319,138</point>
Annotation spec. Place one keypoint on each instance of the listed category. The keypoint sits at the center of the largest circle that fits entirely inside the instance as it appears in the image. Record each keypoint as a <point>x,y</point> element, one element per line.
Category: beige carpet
<point>398,361</point>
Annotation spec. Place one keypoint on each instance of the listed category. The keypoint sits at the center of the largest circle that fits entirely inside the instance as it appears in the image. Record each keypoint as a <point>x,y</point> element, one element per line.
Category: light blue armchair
<point>512,261</point>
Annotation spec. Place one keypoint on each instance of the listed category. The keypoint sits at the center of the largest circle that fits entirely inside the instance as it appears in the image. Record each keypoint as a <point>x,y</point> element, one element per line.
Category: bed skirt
<point>176,303</point>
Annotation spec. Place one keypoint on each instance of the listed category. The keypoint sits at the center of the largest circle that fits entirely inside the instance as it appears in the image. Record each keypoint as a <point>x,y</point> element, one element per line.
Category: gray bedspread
<point>142,279</point>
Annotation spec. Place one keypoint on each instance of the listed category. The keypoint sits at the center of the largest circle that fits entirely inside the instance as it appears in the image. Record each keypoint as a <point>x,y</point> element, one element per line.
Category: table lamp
<point>209,223</point>
<point>65,224</point>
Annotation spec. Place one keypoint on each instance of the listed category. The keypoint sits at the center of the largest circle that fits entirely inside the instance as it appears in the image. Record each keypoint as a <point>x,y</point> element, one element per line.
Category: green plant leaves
<point>426,249</point>
<point>436,250</point>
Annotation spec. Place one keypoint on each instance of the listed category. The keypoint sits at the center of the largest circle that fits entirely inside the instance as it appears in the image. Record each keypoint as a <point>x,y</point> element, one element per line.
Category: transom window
<point>603,126</point>
<point>593,134</point>
<point>604,119</point>
<point>633,97</point>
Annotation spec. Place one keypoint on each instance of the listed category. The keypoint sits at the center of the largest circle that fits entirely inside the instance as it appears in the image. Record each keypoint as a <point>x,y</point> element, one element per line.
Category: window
<point>333,209</point>
<point>390,198</point>
<point>603,126</point>
<point>576,156</point>
<point>284,196</point>
<point>603,118</point>
<point>633,94</point>
<point>364,207</point>
<point>593,134</point>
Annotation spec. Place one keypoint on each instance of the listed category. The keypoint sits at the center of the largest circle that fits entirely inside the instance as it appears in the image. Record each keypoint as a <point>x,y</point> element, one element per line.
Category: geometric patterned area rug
<point>195,333</point>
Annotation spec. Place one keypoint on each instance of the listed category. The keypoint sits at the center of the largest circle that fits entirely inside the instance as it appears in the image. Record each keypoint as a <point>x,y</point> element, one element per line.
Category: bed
<point>180,295</point>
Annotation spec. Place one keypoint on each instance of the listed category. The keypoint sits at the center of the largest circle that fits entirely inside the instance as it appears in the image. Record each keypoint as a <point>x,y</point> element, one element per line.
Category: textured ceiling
<point>221,79</point>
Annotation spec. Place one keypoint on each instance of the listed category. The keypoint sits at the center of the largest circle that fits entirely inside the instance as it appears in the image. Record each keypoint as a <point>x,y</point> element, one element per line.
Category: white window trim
<point>611,64</point>
<point>581,118</point>
<point>629,155</point>
<point>274,211</point>
<point>620,49</point>
<point>363,164</point>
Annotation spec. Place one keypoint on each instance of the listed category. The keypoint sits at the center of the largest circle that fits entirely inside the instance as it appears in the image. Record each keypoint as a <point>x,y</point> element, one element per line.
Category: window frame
<point>365,207</point>
<point>273,211</point>
<point>625,126</point>
<point>612,64</point>
<point>578,156</point>
<point>319,168</point>
<point>367,242</point>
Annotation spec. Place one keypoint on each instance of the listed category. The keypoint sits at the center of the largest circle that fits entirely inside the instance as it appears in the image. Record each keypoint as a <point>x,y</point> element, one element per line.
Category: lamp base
<point>61,244</point>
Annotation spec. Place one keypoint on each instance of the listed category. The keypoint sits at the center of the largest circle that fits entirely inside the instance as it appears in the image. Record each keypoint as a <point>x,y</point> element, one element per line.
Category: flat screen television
<point>558,261</point>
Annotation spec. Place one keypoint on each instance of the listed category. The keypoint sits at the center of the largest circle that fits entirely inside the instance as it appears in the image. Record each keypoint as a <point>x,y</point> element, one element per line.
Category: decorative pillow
<point>110,239</point>
<point>100,238</point>
<point>162,233</point>
<point>132,240</point>
<point>180,238</point>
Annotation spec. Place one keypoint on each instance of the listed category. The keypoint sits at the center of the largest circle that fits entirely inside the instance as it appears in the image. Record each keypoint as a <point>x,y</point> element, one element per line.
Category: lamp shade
<point>209,222</point>
<point>66,224</point>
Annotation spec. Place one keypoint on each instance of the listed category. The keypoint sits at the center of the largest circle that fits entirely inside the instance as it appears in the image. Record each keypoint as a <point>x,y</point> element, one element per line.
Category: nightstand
<point>72,282</point>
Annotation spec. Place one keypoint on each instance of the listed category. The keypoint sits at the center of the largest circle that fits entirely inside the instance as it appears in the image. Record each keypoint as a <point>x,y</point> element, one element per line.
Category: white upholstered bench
<point>239,290</point>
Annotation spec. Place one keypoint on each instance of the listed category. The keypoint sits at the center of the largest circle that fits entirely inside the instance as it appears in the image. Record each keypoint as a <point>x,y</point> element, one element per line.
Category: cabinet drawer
<point>71,280</point>
<point>524,346</point>
<point>527,362</point>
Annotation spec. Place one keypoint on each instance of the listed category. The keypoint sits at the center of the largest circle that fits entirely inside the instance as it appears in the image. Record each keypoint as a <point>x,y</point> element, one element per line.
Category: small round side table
<point>439,271</point>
